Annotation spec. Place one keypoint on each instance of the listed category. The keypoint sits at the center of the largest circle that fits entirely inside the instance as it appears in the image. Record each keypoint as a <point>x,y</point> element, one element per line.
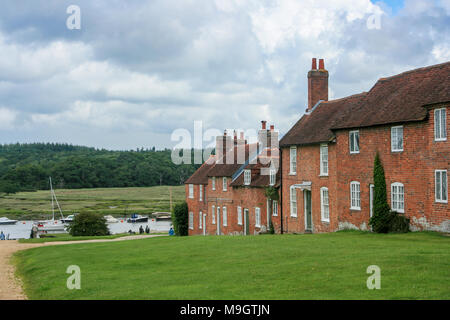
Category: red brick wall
<point>195,206</point>
<point>414,168</point>
<point>246,197</point>
<point>308,169</point>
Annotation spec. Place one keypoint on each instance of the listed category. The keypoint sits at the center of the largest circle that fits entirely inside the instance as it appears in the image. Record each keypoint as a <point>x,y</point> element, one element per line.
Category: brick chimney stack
<point>317,83</point>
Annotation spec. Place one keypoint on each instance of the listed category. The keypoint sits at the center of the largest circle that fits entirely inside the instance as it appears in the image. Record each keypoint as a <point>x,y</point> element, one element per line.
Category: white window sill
<point>292,216</point>
<point>355,208</point>
<point>323,175</point>
<point>327,221</point>
<point>440,140</point>
<point>257,226</point>
<point>274,215</point>
<point>399,211</point>
<point>441,201</point>
<point>397,151</point>
<point>354,152</point>
<point>292,173</point>
<point>190,197</point>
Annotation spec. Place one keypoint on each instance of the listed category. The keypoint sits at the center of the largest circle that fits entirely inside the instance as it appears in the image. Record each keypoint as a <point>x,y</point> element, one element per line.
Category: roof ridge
<point>348,97</point>
<point>414,70</point>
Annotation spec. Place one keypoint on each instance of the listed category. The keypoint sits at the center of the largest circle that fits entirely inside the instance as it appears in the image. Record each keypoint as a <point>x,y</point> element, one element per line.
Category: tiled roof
<point>400,98</point>
<point>396,99</point>
<point>227,170</point>
<point>257,180</point>
<point>201,175</point>
<point>315,127</point>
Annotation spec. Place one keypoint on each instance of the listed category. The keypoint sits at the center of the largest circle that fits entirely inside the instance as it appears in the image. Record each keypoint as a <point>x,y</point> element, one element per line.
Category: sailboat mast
<point>53,205</point>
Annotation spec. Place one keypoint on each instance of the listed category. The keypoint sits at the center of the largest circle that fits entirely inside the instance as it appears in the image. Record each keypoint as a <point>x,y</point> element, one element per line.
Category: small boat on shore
<point>162,216</point>
<point>111,219</point>
<point>5,221</point>
<point>137,218</point>
<point>68,219</point>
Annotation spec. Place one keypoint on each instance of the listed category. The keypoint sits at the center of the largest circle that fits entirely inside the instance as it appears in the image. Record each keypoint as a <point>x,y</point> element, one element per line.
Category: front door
<point>246,222</point>
<point>218,221</point>
<point>308,215</point>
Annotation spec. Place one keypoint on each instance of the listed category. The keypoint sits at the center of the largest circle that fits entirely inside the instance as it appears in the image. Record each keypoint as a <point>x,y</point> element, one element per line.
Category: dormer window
<point>247,177</point>
<point>224,183</point>
<point>272,177</point>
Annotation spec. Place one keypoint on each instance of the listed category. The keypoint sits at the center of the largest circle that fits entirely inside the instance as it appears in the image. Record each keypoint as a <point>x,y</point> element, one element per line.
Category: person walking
<point>2,235</point>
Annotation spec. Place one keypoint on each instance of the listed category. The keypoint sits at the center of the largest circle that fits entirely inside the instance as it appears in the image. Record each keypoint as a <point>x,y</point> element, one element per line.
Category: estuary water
<point>22,229</point>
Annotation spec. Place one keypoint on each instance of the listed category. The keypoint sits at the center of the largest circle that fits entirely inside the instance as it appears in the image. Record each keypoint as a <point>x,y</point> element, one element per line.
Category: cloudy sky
<point>137,70</point>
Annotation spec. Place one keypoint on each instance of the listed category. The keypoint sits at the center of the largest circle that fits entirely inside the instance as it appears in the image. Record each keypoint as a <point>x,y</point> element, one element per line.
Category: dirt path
<point>10,286</point>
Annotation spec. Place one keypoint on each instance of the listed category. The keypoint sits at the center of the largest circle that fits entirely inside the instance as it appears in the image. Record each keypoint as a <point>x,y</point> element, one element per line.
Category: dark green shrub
<point>398,223</point>
<point>271,228</point>
<point>381,210</point>
<point>88,224</point>
<point>180,219</point>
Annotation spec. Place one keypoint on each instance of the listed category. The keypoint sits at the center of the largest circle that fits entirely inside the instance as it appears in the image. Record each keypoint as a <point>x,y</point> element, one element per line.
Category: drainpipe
<point>281,191</point>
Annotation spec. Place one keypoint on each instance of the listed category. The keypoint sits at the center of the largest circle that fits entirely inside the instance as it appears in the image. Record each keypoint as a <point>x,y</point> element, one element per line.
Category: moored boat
<point>137,218</point>
<point>6,221</point>
<point>111,219</point>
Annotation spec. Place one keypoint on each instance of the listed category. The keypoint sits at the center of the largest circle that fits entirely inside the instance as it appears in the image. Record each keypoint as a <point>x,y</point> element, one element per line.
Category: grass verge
<point>317,266</point>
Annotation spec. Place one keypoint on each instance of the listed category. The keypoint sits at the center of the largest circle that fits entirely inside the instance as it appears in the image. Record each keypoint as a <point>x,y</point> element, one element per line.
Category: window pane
<point>352,142</point>
<point>443,124</point>
<point>357,141</point>
<point>437,124</point>
<point>444,186</point>
<point>438,185</point>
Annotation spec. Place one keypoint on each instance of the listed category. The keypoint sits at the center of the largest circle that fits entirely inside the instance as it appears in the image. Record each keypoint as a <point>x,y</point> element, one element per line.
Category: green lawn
<point>319,266</point>
<point>107,201</point>
<point>68,237</point>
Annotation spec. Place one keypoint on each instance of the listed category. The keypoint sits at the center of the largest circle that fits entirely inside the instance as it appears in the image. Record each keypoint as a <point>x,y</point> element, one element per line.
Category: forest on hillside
<point>27,167</point>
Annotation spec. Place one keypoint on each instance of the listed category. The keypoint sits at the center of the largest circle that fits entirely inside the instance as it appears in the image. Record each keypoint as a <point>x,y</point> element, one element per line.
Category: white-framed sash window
<point>200,192</point>
<point>213,183</point>
<point>293,201</point>
<point>239,215</point>
<point>191,220</point>
<point>355,195</point>
<point>224,181</point>
<point>225,217</point>
<point>213,215</point>
<point>324,160</point>
<point>275,208</point>
<point>325,204</point>
<point>354,141</point>
<point>440,124</point>
<point>191,191</point>
<point>441,186</point>
<point>398,197</point>
<point>247,177</point>
<point>257,217</point>
<point>397,139</point>
<point>293,161</point>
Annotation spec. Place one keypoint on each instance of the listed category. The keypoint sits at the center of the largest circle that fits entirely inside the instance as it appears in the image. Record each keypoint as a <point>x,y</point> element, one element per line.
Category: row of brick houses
<point>325,176</point>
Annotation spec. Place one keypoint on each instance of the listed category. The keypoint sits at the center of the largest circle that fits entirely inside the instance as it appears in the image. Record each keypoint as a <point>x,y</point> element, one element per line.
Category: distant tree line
<point>26,167</point>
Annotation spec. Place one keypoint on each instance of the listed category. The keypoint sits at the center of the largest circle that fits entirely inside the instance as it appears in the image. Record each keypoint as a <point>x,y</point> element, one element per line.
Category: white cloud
<point>7,118</point>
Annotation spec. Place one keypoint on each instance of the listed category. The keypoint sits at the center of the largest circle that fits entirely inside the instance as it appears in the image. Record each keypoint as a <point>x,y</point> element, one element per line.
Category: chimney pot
<point>272,127</point>
<point>314,64</point>
<point>242,135</point>
<point>263,124</point>
<point>321,64</point>
<point>225,133</point>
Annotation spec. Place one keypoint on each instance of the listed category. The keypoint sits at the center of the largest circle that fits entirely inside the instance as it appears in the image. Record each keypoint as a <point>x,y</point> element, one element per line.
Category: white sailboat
<point>52,225</point>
